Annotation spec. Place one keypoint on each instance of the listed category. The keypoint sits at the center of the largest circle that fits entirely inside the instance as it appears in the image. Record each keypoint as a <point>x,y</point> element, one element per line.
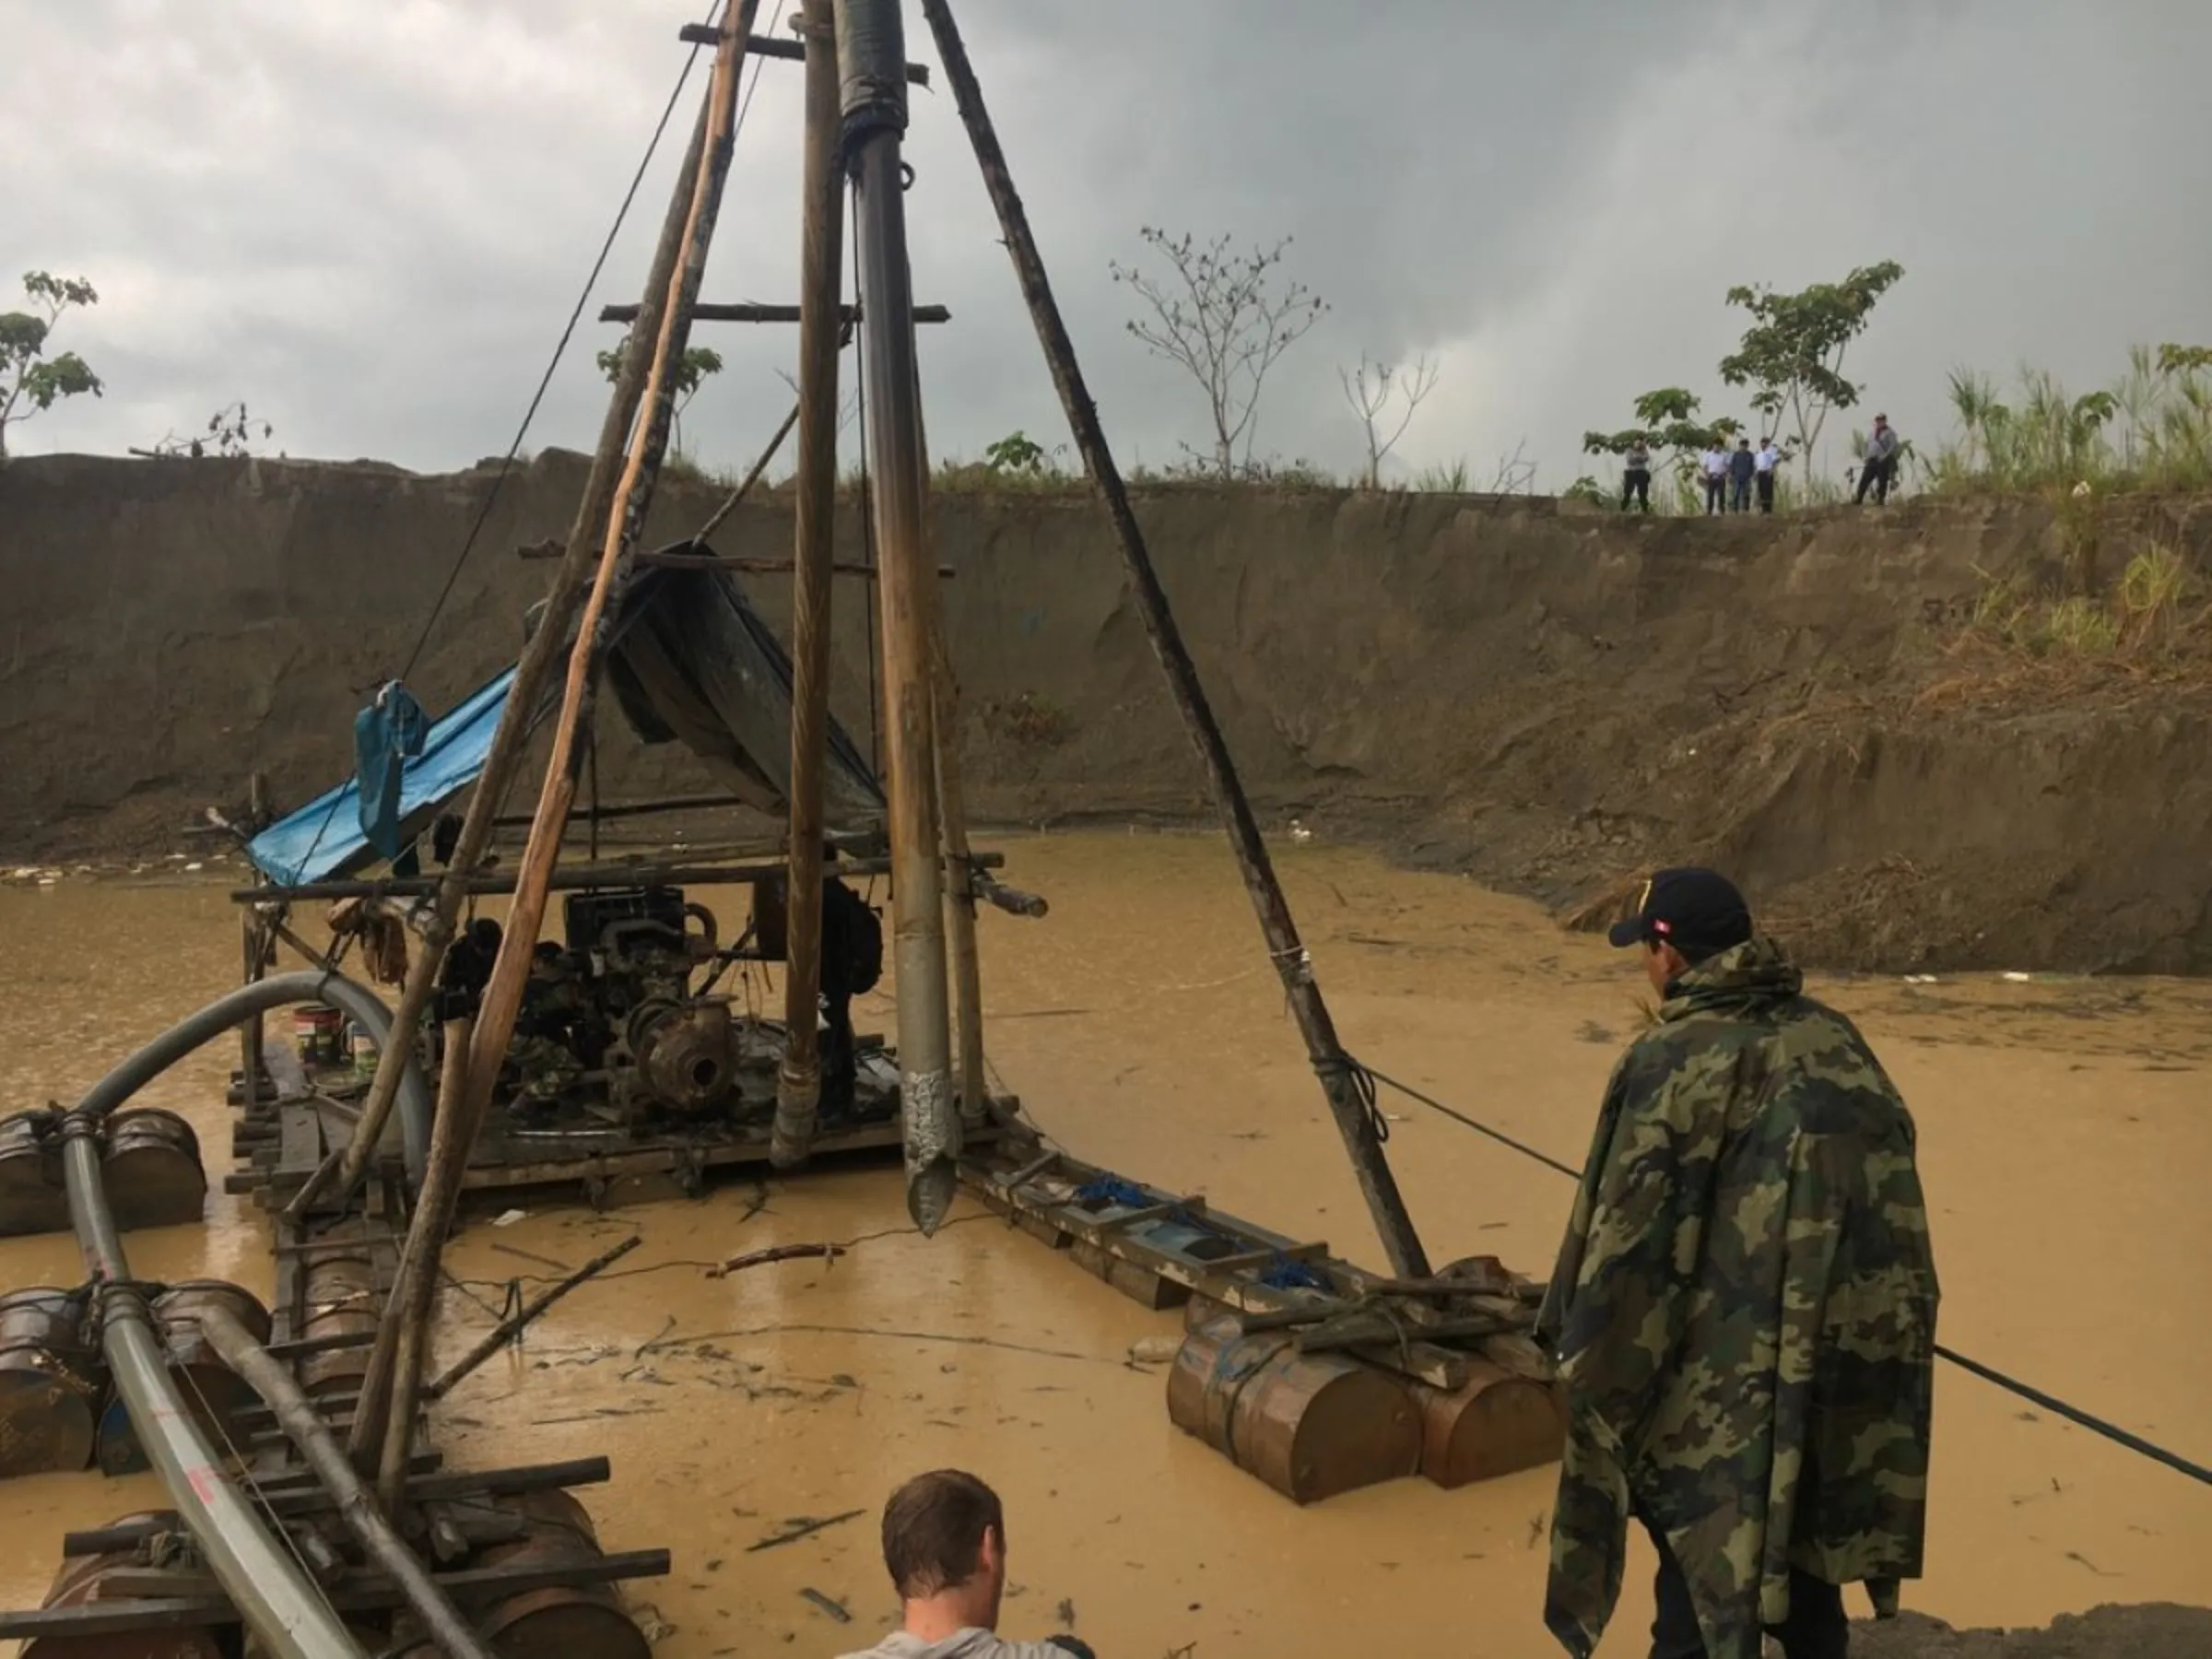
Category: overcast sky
<point>370,221</point>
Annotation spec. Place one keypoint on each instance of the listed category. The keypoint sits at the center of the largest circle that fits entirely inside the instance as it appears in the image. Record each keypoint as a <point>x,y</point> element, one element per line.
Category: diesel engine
<point>623,1016</point>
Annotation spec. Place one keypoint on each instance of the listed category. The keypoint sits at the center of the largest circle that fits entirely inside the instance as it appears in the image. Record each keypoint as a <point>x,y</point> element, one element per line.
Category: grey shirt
<point>965,1644</point>
<point>1882,444</point>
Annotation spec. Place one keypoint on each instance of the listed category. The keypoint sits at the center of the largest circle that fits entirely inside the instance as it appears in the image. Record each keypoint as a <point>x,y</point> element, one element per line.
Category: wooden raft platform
<point>1307,1371</point>
<point>293,1125</point>
<point>511,1546</point>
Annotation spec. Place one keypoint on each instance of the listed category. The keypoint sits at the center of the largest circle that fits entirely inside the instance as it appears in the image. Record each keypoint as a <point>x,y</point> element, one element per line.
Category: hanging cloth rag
<point>386,735</point>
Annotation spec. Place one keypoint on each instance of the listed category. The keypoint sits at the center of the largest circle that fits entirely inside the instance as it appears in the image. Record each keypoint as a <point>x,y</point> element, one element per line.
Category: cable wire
<point>2026,1391</point>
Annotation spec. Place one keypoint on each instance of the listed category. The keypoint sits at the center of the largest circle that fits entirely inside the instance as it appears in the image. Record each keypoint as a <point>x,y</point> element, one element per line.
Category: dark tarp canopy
<point>691,661</point>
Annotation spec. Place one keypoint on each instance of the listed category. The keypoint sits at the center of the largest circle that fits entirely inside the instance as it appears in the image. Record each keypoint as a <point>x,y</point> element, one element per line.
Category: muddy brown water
<point>2066,1129</point>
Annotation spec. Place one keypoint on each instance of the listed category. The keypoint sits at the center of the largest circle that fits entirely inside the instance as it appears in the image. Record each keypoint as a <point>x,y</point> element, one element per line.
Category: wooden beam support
<point>749,311</point>
<point>767,46</point>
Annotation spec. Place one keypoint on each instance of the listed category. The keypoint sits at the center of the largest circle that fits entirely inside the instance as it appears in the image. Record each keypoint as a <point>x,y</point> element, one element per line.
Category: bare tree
<point>1220,316</point>
<point>1516,474</point>
<point>1369,390</point>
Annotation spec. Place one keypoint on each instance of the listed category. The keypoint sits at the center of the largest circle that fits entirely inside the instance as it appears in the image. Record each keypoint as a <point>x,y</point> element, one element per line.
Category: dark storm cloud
<point>371,222</point>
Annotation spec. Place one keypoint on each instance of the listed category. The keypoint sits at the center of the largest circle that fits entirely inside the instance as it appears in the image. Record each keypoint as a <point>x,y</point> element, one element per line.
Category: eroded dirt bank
<point>1546,699</point>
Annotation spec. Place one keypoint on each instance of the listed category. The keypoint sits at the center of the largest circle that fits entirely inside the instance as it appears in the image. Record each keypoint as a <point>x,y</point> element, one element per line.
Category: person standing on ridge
<point>1768,459</point>
<point>1714,463</point>
<point>1880,466</point>
<point>1743,1315</point>
<point>1741,465</point>
<point>1636,474</point>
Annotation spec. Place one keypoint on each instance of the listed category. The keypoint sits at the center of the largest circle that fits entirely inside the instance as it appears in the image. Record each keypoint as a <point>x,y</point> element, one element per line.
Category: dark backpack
<point>852,942</point>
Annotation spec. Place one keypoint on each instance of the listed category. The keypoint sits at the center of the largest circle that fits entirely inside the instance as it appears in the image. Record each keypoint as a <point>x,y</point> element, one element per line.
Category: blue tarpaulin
<point>323,838</point>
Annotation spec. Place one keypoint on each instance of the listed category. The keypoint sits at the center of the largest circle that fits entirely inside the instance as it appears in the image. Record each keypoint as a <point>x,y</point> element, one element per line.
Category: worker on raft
<point>945,1543</point>
<point>1744,1310</point>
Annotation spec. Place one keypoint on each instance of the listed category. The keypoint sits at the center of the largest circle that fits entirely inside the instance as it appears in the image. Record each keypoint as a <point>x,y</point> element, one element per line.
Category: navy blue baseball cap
<point>1698,912</point>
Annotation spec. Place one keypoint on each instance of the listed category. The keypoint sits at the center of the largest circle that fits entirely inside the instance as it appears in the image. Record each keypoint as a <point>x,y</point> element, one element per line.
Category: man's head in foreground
<point>945,1542</point>
<point>1684,917</point>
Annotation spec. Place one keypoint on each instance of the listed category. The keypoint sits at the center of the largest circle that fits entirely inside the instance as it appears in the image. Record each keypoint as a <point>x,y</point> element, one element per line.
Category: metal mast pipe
<point>871,66</point>
<point>821,278</point>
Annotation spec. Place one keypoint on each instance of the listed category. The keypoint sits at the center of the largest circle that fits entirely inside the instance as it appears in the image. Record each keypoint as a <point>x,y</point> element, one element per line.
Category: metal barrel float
<point>32,1198</point>
<point>1497,1422</point>
<point>560,1621</point>
<point>80,1582</point>
<point>212,1392</point>
<point>52,1378</point>
<point>1308,1425</point>
<point>342,1300</point>
<point>152,1170</point>
<point>151,1165</point>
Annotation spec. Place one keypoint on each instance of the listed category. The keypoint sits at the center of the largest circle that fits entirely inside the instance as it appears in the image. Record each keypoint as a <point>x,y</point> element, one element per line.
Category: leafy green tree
<point>1015,452</point>
<point>1792,355</point>
<point>29,380</point>
<point>230,434</point>
<point>1666,419</point>
<point>691,371</point>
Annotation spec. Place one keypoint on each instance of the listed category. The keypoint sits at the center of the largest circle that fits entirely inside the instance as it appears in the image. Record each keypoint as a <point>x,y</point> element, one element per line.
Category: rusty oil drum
<point>341,1298</point>
<point>152,1170</point>
<point>79,1580</point>
<point>581,1621</point>
<point>52,1377</point>
<point>210,1389</point>
<point>1500,1421</point>
<point>32,1197</point>
<point>1308,1425</point>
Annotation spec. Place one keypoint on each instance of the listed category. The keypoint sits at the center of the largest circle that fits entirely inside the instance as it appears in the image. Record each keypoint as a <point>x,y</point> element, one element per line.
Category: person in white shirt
<point>1768,459</point>
<point>1715,463</point>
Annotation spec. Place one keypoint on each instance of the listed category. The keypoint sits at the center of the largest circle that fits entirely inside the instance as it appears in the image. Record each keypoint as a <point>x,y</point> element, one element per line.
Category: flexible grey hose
<point>279,990</point>
<point>282,1608</point>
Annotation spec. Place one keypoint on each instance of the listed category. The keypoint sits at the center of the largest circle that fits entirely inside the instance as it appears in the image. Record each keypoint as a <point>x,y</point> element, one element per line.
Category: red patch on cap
<point>1660,925</point>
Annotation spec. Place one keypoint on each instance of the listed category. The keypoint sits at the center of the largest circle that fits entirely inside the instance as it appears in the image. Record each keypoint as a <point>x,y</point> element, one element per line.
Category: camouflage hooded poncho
<point>1744,1313</point>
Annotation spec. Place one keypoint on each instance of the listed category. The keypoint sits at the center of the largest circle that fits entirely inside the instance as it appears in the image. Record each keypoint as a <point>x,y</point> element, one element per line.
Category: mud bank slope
<point>1549,700</point>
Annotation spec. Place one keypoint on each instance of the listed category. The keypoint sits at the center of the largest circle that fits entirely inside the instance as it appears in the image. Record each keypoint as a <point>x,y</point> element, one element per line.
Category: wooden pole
<point>415,1297</point>
<point>744,487</point>
<point>296,1414</point>
<point>869,44</point>
<point>1354,1110</point>
<point>821,280</point>
<point>511,1327</point>
<point>503,995</point>
<point>532,678</point>
<point>751,312</point>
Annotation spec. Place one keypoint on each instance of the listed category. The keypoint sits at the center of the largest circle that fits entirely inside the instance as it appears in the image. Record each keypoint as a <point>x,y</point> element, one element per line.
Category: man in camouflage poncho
<point>1743,1309</point>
